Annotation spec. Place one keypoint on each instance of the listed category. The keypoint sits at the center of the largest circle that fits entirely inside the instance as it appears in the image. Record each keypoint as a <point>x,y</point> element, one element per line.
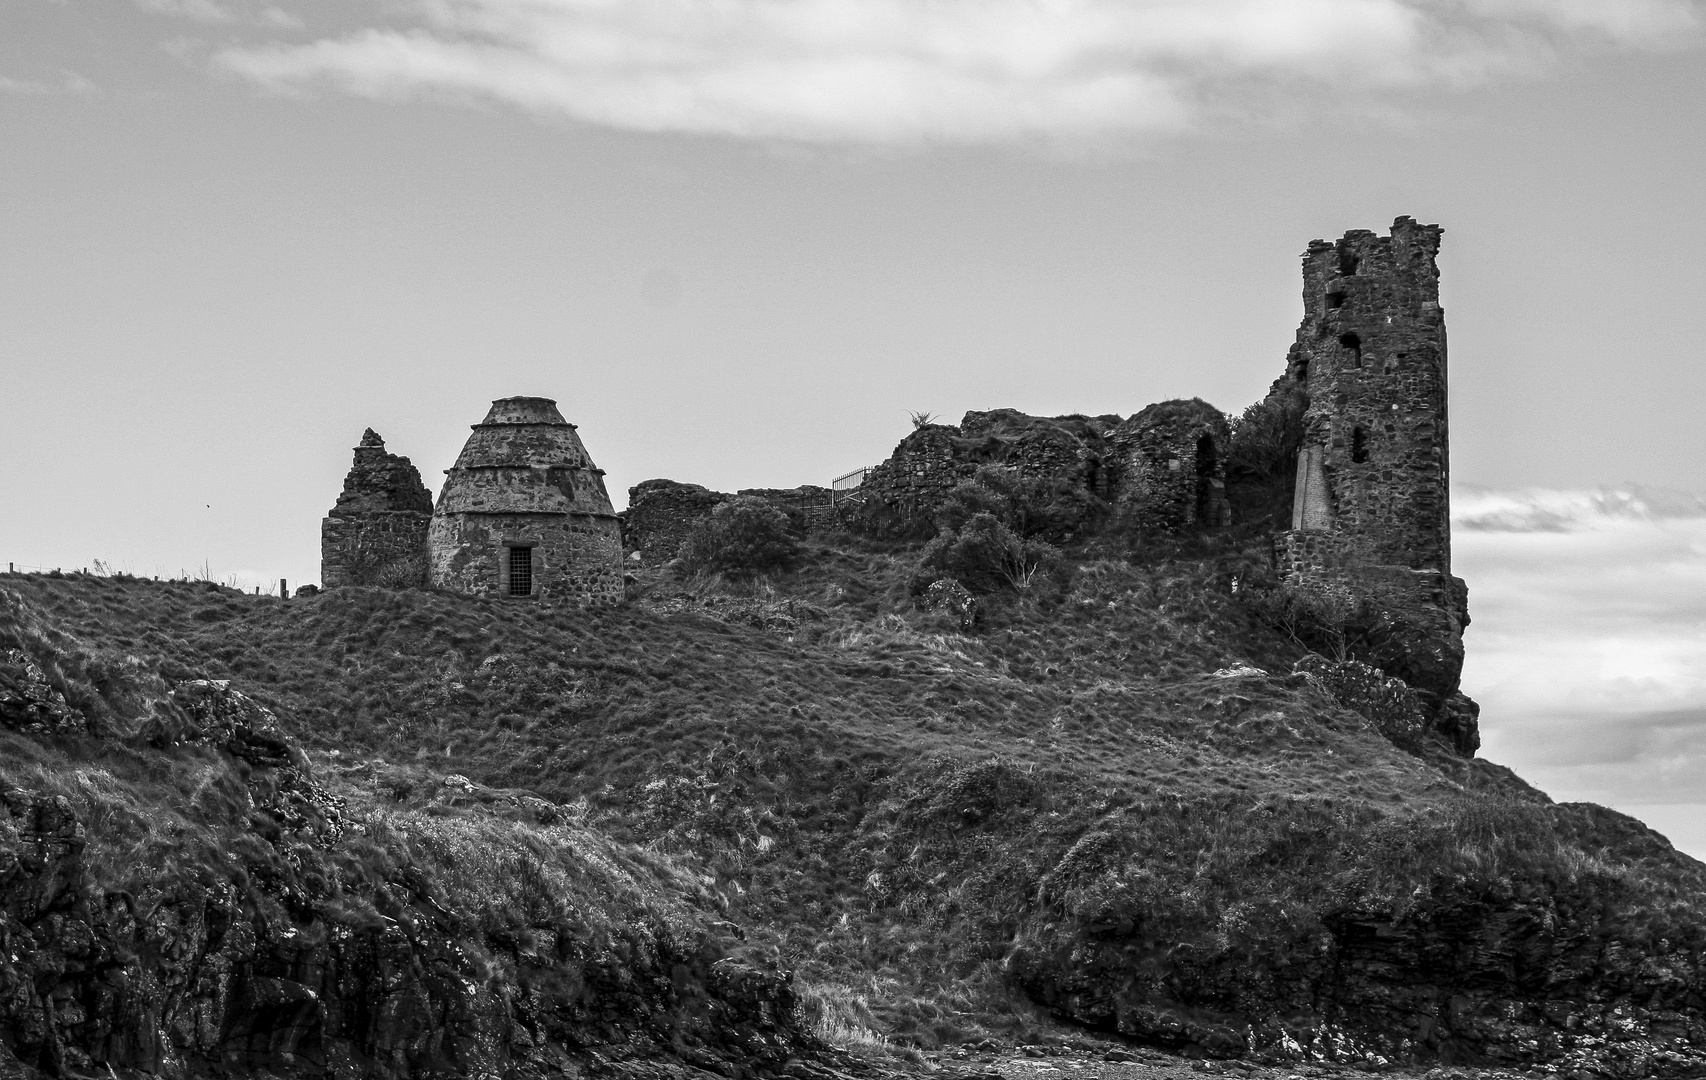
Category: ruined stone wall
<point>377,532</point>
<point>660,513</point>
<point>900,496</point>
<point>1167,468</point>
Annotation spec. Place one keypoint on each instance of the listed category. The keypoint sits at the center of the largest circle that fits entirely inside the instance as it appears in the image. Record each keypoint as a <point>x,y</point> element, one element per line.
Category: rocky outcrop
<point>1513,976</point>
<point>260,929</point>
<point>28,701</point>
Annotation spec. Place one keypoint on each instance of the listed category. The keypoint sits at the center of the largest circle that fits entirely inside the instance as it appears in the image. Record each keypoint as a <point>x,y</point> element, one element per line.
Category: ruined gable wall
<point>377,532</point>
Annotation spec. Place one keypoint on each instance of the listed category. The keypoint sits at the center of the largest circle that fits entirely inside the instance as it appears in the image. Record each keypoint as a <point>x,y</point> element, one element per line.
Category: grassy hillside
<point>1111,803</point>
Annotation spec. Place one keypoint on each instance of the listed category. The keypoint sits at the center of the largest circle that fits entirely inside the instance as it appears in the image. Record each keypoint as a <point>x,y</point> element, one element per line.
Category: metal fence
<point>847,484</point>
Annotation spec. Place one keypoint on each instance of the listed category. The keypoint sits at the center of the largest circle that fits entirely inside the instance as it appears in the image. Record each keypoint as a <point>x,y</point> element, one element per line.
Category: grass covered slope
<point>182,889</point>
<point>1112,799</point>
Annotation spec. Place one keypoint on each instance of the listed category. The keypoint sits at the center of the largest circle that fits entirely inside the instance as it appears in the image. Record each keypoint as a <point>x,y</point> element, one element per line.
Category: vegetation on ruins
<point>741,537</point>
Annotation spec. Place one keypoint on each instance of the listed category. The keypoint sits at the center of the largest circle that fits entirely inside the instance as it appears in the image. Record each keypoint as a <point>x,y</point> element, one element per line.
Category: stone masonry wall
<point>1168,468</point>
<point>377,532</point>
<point>1371,510</point>
<point>576,557</point>
<point>660,513</point>
<point>1371,353</point>
<point>901,494</point>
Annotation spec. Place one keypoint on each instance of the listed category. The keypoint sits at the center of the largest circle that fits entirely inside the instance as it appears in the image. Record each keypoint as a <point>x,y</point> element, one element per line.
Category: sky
<point>740,241</point>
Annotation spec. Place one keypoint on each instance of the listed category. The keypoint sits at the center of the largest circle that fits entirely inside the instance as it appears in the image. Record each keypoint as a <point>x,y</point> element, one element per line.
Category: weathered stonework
<point>524,483</point>
<point>660,513</point>
<point>1170,469</point>
<point>1371,354</point>
<point>377,532</point>
<point>1371,505</point>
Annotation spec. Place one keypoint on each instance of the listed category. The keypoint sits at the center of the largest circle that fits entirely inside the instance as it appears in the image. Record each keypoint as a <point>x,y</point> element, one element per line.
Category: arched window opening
<point>1303,371</point>
<point>1205,481</point>
<point>1347,262</point>
<point>521,571</point>
<point>1354,344</point>
<point>1359,445</point>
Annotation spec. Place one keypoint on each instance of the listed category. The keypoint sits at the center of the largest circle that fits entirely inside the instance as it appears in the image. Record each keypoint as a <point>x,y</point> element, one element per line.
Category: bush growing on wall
<point>1051,509</point>
<point>742,536</point>
<point>1261,458</point>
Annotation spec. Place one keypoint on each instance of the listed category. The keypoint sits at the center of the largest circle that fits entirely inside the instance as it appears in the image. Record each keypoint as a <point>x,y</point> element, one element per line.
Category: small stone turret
<point>524,512</point>
<point>377,532</point>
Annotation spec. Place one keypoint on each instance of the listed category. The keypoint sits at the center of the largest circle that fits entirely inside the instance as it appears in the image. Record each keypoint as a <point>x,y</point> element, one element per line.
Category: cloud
<point>1588,645</point>
<point>212,13</point>
<point>65,82</point>
<point>962,71</point>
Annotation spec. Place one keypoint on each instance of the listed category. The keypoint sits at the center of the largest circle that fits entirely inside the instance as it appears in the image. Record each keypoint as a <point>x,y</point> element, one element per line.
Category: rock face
<point>524,512</point>
<point>377,532</point>
<point>28,701</point>
<point>306,944</point>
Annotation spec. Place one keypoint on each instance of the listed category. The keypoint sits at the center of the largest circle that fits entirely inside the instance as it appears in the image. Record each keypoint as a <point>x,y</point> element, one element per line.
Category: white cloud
<point>975,71</point>
<point>1588,645</point>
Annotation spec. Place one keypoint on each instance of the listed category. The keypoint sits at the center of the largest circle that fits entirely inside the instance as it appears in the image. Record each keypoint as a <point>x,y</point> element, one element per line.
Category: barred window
<point>521,571</point>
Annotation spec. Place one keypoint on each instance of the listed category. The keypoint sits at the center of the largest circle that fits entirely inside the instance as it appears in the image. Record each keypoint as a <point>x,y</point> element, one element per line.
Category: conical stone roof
<point>524,458</point>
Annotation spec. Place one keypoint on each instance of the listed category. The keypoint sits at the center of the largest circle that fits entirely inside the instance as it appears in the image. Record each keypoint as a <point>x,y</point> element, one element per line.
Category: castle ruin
<point>523,513</point>
<point>1349,490</point>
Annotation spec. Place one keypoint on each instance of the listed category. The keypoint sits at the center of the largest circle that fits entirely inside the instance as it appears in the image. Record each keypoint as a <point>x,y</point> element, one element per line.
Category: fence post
<point>283,589</point>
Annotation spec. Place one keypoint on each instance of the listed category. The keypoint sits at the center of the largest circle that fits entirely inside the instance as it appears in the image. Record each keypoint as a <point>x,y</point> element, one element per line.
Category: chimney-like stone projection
<point>524,512</point>
<point>376,534</point>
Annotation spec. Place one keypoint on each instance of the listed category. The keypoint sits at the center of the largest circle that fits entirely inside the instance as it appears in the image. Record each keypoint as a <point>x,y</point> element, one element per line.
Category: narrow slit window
<point>520,571</point>
<point>1354,344</point>
<point>1359,445</point>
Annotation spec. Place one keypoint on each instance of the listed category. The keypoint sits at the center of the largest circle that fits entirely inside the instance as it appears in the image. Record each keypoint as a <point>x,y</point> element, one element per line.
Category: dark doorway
<point>1205,482</point>
<point>1359,445</point>
<point>520,571</point>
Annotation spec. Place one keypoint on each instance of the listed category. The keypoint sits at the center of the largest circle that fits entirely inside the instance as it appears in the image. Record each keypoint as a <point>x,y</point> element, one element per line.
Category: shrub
<point>1325,618</point>
<point>743,536</point>
<point>985,556</point>
<point>1261,457</point>
<point>1049,508</point>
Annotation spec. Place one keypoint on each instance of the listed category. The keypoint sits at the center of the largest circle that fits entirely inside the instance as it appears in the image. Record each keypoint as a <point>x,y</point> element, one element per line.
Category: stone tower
<point>1371,506</point>
<point>1373,471</point>
<point>377,532</point>
<point>524,512</point>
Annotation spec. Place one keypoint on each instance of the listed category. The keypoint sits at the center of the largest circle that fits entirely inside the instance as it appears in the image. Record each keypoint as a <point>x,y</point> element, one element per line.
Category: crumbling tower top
<point>1371,355</point>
